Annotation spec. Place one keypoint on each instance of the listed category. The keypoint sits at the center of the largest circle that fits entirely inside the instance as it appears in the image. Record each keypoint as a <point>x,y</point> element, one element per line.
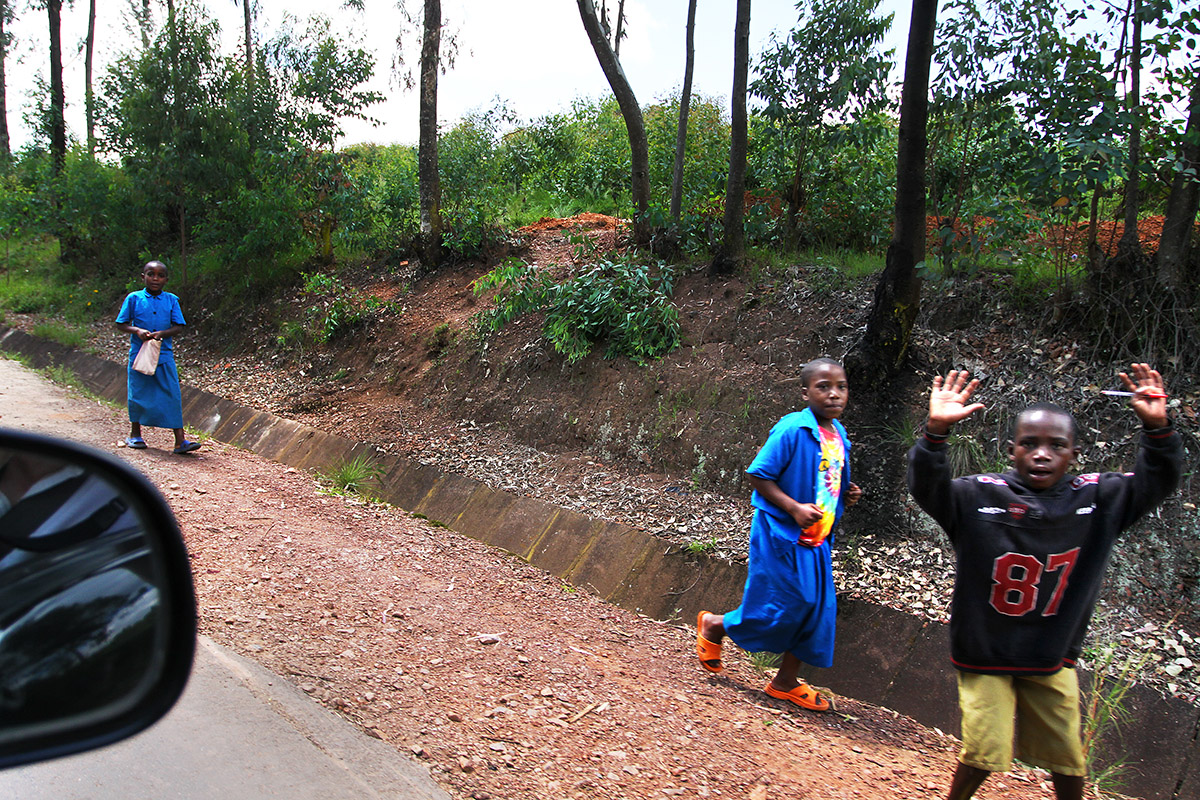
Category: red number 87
<point>1016,578</point>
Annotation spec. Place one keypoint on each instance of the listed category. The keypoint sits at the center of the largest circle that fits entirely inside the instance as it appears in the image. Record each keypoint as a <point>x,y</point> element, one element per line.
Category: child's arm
<point>129,327</point>
<point>1159,464</point>
<point>947,401</point>
<point>929,477</point>
<point>171,331</point>
<point>804,514</point>
<point>1149,399</point>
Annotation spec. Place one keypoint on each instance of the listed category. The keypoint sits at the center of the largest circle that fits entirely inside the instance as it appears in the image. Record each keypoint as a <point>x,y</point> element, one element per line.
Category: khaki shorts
<point>1045,709</point>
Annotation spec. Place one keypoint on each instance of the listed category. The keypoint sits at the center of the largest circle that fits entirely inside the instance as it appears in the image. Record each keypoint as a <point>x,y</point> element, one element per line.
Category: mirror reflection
<point>81,617</point>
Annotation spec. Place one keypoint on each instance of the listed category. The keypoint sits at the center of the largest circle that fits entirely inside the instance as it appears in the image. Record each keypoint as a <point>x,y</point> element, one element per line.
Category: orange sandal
<point>708,652</point>
<point>803,695</point>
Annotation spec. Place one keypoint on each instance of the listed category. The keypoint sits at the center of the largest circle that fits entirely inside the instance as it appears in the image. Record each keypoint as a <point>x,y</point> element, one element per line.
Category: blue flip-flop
<point>135,442</point>
<point>186,447</point>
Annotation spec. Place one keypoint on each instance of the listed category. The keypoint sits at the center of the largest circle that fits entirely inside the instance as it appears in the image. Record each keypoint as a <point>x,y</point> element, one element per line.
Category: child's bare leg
<point>178,436</point>
<point>788,676</point>
<point>1067,787</point>
<point>135,430</point>
<point>966,780</point>
<point>712,627</point>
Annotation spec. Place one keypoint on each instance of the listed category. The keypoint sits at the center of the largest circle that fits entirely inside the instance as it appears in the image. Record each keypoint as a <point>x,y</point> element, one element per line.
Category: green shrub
<point>340,310</point>
<point>625,304</point>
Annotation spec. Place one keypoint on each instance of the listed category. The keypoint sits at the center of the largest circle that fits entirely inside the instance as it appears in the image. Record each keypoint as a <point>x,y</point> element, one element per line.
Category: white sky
<point>532,53</point>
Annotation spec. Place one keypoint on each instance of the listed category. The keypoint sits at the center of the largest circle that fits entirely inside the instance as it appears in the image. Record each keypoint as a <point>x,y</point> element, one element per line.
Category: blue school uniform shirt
<point>791,458</point>
<point>152,312</point>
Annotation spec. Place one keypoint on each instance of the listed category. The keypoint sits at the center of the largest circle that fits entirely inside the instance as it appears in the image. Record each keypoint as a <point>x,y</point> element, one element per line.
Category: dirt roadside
<point>506,682</point>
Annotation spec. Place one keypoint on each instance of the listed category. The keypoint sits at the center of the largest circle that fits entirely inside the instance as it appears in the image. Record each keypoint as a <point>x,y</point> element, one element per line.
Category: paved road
<point>239,732</point>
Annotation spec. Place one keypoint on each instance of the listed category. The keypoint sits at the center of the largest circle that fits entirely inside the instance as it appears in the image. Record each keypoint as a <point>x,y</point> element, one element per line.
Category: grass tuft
<point>353,477</point>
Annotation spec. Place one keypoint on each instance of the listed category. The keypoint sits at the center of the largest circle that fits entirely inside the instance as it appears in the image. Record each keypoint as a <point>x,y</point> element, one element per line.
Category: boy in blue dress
<point>801,481</point>
<point>1031,547</point>
<point>154,400</point>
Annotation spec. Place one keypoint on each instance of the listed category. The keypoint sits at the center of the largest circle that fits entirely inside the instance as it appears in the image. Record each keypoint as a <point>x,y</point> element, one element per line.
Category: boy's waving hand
<point>947,401</point>
<point>1149,398</point>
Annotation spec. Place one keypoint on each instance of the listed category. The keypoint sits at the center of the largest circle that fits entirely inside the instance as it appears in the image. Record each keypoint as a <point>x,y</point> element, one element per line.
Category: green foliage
<point>339,310</point>
<point>317,77</point>
<point>388,216</point>
<point>356,476</point>
<point>625,304</point>
<point>63,334</point>
<point>825,74</point>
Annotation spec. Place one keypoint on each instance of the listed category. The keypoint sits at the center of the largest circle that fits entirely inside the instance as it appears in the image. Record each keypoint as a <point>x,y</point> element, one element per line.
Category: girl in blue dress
<point>154,400</point>
<point>801,481</point>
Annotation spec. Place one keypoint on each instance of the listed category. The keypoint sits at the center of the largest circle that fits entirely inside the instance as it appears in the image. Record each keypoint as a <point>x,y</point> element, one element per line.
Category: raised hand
<point>948,401</point>
<point>1149,398</point>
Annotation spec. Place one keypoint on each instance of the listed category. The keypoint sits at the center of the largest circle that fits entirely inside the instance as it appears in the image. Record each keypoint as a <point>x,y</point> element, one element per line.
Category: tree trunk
<point>1182,202</point>
<point>429,182</point>
<point>685,104</point>
<point>5,143</point>
<point>884,346</point>
<point>58,120</point>
<point>733,243</point>
<point>249,44</point>
<point>1130,247</point>
<point>631,112</point>
<point>89,97</point>
<point>620,29</point>
<point>143,20</point>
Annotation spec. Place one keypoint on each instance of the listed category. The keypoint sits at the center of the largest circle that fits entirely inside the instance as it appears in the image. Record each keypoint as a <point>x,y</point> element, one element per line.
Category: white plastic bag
<point>146,360</point>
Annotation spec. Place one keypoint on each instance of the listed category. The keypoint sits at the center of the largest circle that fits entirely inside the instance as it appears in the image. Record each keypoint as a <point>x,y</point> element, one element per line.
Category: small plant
<point>967,455</point>
<point>700,468</point>
<point>441,339</point>
<point>1104,710</point>
<point>292,336</point>
<point>353,476</point>
<point>697,546</point>
<point>765,662</point>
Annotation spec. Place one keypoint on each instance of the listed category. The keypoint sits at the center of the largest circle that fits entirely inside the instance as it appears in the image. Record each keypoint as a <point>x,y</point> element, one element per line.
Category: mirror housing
<point>97,606</point>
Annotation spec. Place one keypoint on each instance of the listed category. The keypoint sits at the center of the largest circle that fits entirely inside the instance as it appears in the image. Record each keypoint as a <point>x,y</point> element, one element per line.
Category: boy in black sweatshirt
<point>1031,546</point>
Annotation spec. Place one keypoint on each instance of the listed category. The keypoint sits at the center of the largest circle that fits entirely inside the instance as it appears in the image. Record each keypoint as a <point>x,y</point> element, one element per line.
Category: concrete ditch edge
<point>884,657</point>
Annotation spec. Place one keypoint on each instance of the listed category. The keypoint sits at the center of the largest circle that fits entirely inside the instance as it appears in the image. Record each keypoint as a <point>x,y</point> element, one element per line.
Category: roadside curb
<point>884,657</point>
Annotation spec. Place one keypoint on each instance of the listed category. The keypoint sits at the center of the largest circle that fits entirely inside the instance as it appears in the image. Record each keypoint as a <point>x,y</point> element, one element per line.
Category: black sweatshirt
<point>1030,563</point>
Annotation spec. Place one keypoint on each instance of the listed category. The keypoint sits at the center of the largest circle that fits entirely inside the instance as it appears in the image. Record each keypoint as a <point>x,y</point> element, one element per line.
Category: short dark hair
<point>806,372</point>
<point>1049,408</point>
<point>155,263</point>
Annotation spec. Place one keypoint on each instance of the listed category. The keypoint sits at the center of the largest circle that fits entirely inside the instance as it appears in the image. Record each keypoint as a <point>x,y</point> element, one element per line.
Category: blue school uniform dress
<point>154,400</point>
<point>789,604</point>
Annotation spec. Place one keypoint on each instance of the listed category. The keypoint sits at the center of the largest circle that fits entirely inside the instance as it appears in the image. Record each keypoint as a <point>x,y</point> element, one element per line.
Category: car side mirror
<point>97,607</point>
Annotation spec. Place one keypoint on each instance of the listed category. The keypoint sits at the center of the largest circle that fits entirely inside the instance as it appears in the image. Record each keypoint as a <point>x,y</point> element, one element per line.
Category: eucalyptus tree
<point>438,49</point>
<point>1182,202</point>
<point>685,103</point>
<point>57,121</point>
<point>247,30</point>
<point>631,112</point>
<point>733,240</point>
<point>89,97</point>
<point>428,177</point>
<point>7,16</point>
<point>1129,248</point>
<point>880,353</point>
<point>826,71</point>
